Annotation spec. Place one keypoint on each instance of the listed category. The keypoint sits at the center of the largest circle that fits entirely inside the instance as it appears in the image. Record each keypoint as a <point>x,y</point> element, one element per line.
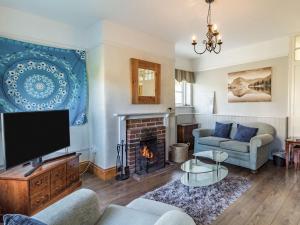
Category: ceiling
<point>241,22</point>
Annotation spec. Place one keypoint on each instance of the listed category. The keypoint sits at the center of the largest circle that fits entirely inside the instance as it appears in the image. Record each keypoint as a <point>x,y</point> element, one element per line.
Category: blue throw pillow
<point>17,219</point>
<point>244,133</point>
<point>222,130</point>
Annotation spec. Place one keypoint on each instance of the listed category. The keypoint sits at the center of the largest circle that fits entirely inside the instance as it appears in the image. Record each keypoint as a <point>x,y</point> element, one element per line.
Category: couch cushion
<point>212,141</point>
<point>175,218</point>
<point>222,130</point>
<point>236,146</point>
<point>150,206</point>
<point>120,215</point>
<point>245,133</point>
<point>17,219</point>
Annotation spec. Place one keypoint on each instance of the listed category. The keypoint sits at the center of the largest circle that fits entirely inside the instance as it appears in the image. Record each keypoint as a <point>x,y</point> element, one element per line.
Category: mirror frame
<point>135,65</point>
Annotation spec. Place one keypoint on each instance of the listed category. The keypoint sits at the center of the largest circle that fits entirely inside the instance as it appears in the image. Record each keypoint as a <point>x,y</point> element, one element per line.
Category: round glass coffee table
<point>199,173</point>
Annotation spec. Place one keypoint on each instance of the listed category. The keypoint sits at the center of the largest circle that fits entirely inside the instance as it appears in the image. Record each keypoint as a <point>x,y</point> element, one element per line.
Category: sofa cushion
<point>244,133</point>
<point>120,215</point>
<point>17,219</point>
<point>212,141</point>
<point>175,218</point>
<point>222,130</point>
<point>236,146</point>
<point>150,206</point>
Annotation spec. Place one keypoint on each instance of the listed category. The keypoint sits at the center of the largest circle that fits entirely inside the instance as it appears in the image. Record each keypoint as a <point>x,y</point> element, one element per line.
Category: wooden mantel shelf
<point>143,114</point>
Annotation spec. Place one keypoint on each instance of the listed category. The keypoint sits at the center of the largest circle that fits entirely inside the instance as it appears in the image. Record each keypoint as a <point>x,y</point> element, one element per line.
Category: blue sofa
<point>251,155</point>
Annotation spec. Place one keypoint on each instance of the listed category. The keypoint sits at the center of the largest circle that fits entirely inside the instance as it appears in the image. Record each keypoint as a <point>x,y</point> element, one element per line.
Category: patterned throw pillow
<point>222,130</point>
<point>16,219</point>
<point>244,133</point>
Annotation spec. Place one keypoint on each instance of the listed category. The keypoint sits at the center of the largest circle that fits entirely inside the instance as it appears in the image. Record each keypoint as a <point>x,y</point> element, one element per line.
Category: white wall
<point>216,80</point>
<point>294,90</point>
<point>28,27</point>
<point>35,29</point>
<point>110,83</point>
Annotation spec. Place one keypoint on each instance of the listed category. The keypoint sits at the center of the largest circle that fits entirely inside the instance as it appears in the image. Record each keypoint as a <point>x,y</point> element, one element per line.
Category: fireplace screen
<point>149,155</point>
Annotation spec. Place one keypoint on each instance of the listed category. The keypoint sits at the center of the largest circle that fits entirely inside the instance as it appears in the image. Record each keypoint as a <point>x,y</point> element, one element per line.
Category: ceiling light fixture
<point>214,40</point>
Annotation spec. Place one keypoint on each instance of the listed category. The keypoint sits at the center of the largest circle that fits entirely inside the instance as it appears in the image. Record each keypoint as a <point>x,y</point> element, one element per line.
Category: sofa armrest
<point>202,132</point>
<point>261,140</point>
<point>80,207</point>
<point>175,217</point>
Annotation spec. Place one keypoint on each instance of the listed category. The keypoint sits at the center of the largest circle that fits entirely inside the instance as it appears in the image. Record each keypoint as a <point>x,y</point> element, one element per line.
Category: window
<point>183,93</point>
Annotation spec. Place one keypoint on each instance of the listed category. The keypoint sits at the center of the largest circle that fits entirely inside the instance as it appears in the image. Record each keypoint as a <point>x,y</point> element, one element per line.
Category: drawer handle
<point>58,188</point>
<point>38,183</point>
<point>38,201</point>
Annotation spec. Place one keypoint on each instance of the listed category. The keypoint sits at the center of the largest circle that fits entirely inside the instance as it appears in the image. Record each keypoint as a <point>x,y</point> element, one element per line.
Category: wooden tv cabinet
<point>29,195</point>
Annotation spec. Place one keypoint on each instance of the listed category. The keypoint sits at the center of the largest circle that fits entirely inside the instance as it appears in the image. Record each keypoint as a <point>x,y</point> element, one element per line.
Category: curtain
<point>182,75</point>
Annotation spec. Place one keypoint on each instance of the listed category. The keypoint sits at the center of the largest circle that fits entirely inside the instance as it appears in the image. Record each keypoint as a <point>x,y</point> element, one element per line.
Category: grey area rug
<point>203,204</point>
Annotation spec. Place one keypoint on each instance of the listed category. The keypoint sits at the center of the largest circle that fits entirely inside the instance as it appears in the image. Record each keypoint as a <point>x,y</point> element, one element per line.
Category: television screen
<point>29,135</point>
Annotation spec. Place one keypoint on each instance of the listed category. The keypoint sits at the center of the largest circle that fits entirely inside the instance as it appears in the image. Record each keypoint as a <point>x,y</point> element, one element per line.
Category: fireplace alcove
<point>146,145</point>
<point>149,156</point>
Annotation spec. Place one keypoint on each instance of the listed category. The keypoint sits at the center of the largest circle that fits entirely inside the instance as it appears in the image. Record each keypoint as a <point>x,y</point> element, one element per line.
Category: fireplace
<point>146,145</point>
<point>148,156</point>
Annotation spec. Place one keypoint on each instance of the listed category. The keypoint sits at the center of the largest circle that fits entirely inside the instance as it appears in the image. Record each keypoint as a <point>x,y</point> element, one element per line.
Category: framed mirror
<point>145,82</point>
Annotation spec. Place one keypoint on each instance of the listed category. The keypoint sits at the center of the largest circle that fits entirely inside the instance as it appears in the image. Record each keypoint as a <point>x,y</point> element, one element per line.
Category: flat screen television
<point>31,135</point>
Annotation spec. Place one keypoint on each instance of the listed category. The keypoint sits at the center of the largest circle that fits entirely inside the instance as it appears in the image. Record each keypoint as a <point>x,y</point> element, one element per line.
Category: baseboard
<point>103,174</point>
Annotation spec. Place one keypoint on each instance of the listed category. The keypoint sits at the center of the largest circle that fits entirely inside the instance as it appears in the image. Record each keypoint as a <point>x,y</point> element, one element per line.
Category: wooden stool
<point>296,157</point>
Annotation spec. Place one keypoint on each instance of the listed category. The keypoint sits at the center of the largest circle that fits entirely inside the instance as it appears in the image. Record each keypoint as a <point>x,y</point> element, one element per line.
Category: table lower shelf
<point>204,179</point>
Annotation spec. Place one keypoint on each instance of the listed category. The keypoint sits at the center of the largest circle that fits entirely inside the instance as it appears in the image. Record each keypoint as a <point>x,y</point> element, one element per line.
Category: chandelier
<point>214,40</point>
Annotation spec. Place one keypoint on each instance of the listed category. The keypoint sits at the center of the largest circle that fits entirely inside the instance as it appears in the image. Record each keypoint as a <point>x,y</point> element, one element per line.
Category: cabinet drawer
<point>73,167</point>
<point>58,187</point>
<point>38,183</point>
<point>72,171</point>
<point>58,180</point>
<point>59,173</point>
<point>72,178</point>
<point>39,200</point>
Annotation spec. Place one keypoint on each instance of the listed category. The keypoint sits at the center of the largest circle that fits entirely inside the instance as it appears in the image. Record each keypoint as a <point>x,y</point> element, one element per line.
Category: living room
<point>137,112</point>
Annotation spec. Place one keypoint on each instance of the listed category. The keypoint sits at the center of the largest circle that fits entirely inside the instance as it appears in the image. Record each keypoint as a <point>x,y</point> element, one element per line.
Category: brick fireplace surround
<point>138,129</point>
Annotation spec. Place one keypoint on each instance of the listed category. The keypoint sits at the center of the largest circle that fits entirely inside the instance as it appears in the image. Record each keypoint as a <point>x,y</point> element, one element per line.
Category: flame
<point>146,152</point>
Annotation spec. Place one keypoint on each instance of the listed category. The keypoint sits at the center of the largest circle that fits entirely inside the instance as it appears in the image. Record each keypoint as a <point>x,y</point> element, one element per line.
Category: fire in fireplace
<point>149,156</point>
<point>146,152</point>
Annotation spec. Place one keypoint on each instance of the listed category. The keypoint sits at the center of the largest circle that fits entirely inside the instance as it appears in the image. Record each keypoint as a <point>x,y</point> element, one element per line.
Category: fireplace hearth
<point>146,140</point>
<point>148,156</point>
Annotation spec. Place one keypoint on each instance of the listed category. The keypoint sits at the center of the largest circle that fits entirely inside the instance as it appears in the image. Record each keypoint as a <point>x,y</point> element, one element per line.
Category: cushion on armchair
<point>244,133</point>
<point>222,130</point>
<point>17,219</point>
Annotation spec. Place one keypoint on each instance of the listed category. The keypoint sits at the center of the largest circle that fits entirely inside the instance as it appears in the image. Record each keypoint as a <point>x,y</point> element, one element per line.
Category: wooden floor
<point>274,196</point>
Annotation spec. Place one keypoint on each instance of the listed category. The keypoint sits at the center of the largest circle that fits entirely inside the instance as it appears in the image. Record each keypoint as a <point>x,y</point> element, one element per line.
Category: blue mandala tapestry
<point>36,78</point>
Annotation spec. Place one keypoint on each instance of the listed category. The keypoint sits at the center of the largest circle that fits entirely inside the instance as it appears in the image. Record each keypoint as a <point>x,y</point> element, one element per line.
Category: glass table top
<point>204,179</point>
<point>196,166</point>
<point>217,156</point>
<point>199,174</point>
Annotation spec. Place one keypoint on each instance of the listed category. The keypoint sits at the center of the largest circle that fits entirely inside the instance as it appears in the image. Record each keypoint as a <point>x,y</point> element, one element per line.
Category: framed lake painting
<point>250,85</point>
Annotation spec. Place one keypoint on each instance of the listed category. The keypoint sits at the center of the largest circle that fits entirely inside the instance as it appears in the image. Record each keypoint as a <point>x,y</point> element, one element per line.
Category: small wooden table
<point>185,133</point>
<point>289,146</point>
